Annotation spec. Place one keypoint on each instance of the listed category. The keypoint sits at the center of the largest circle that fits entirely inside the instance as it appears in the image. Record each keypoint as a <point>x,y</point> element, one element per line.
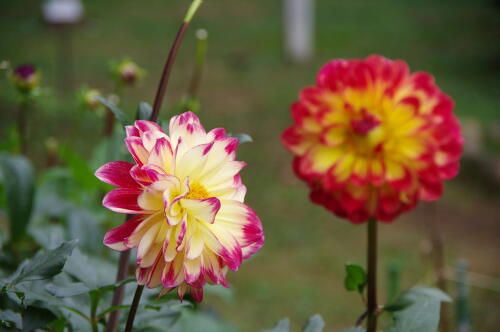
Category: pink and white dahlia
<point>191,224</point>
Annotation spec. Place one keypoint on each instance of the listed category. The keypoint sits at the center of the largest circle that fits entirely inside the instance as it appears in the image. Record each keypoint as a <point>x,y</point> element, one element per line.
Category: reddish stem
<point>162,87</point>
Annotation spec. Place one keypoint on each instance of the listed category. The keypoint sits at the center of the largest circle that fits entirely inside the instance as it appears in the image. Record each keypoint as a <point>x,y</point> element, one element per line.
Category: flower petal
<point>123,200</point>
<point>202,209</point>
<point>116,173</point>
<point>115,238</point>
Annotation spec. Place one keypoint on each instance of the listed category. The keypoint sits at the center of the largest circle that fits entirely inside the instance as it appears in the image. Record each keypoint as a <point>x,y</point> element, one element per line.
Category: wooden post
<point>299,21</point>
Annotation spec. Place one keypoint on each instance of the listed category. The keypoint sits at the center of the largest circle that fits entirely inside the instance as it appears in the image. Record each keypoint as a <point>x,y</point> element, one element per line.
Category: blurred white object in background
<point>299,21</point>
<point>63,11</point>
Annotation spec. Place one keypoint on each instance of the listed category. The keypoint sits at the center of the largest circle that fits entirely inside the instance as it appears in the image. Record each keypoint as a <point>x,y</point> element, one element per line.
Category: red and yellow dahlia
<point>191,224</point>
<point>371,139</point>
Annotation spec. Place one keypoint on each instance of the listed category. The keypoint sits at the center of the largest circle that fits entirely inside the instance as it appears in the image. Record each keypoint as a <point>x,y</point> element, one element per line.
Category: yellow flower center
<point>197,191</point>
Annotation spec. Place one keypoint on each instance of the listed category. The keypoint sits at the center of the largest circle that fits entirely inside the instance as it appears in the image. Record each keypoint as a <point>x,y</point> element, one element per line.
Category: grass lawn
<point>248,87</point>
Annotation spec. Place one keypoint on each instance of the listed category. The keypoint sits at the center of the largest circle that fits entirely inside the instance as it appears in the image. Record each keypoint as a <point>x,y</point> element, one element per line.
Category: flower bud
<point>127,72</point>
<point>25,78</point>
<point>88,98</point>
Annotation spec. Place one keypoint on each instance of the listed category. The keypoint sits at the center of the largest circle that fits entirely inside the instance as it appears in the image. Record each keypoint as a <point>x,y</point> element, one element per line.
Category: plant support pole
<point>372,276</point>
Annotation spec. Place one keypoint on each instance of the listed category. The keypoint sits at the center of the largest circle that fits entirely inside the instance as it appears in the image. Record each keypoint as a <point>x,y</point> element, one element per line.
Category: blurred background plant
<point>248,84</point>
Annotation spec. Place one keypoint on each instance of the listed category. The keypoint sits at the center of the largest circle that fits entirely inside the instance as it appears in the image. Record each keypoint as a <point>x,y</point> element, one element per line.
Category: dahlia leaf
<point>417,310</point>
<point>35,318</point>
<point>118,113</point>
<point>73,289</point>
<point>414,295</point>
<point>422,316</point>
<point>58,325</point>
<point>314,324</point>
<point>243,138</point>
<point>43,265</point>
<point>355,279</point>
<point>19,180</point>
<point>144,111</point>
<point>11,316</point>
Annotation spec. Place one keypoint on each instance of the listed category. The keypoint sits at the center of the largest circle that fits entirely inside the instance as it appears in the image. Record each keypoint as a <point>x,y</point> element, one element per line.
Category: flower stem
<point>201,53</point>
<point>22,125</point>
<point>162,87</point>
<point>372,275</point>
<point>133,308</point>
<point>121,274</point>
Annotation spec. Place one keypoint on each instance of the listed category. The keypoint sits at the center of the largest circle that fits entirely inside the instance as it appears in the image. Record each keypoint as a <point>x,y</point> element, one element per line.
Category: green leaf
<point>314,324</point>
<point>243,138</point>
<point>74,289</point>
<point>421,292</point>
<point>119,114</point>
<point>82,225</point>
<point>354,329</point>
<point>43,265</point>
<point>422,316</point>
<point>80,268</point>
<point>282,326</point>
<point>355,279</point>
<point>11,316</point>
<point>19,179</point>
<point>35,318</point>
<point>58,325</point>
<point>144,111</point>
<point>414,295</point>
<point>113,308</point>
<point>417,310</point>
<point>112,287</point>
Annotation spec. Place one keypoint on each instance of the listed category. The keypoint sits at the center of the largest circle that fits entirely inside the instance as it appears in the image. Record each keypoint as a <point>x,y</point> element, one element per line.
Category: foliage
<point>18,177</point>
<point>355,278</point>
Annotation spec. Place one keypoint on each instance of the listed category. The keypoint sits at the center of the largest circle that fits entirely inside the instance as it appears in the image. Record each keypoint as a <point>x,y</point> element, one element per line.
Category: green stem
<point>133,308</point>
<point>372,276</point>
<point>22,125</point>
<point>201,53</point>
<point>94,301</point>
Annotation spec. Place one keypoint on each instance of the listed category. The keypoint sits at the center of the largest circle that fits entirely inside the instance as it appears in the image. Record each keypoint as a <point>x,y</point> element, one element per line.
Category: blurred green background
<point>248,86</point>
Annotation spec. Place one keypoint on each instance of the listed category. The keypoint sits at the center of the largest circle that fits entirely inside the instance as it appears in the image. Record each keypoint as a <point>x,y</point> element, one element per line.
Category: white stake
<point>299,24</point>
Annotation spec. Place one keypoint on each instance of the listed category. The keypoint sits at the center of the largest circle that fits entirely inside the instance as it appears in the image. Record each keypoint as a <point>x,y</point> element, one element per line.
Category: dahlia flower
<point>191,224</point>
<point>371,139</point>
